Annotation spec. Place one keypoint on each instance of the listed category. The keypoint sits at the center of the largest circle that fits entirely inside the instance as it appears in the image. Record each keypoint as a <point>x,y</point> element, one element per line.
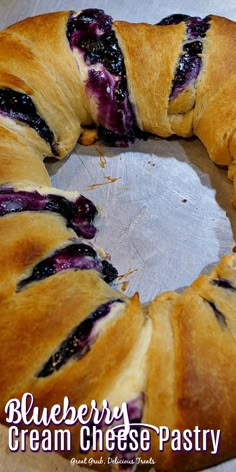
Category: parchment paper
<point>165,215</point>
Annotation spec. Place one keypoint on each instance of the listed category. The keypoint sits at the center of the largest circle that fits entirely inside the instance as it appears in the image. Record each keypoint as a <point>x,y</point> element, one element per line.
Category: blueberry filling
<point>197,27</point>
<point>78,342</point>
<point>193,48</point>
<point>109,272</point>
<point>219,316</point>
<point>135,408</point>
<point>20,106</point>
<point>126,458</point>
<point>223,283</point>
<point>190,61</point>
<point>135,412</point>
<point>92,34</point>
<point>187,71</point>
<point>75,256</point>
<point>79,214</point>
<point>174,19</point>
<point>113,139</point>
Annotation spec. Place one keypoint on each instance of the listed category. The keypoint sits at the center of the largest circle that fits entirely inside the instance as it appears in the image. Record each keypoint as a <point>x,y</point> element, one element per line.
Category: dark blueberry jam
<point>197,27</point>
<point>78,342</point>
<point>223,283</point>
<point>127,457</point>
<point>79,214</point>
<point>75,256</point>
<point>187,71</point>
<point>109,272</point>
<point>194,48</point>
<point>20,106</point>
<point>190,61</point>
<point>174,19</point>
<point>218,314</point>
<point>135,408</point>
<point>91,32</point>
<point>113,139</point>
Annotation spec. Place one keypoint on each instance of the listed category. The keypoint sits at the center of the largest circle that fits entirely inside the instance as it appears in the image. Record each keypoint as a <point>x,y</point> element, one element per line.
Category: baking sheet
<point>165,215</point>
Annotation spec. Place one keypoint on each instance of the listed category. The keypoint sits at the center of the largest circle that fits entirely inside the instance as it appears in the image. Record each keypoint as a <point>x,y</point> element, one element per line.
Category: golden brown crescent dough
<point>64,330</point>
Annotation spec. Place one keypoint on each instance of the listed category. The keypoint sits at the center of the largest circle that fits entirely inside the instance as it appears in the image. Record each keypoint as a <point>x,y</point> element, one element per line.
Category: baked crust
<point>150,97</point>
<point>188,366</point>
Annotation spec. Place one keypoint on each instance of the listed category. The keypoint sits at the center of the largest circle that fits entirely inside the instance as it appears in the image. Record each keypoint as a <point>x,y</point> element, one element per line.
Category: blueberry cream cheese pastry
<point>64,331</point>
